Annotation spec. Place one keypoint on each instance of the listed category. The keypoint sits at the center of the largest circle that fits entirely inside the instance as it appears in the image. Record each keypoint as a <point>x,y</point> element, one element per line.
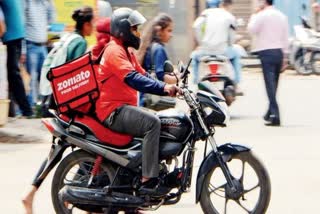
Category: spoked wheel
<point>316,63</point>
<point>252,182</point>
<point>75,170</point>
<point>301,67</point>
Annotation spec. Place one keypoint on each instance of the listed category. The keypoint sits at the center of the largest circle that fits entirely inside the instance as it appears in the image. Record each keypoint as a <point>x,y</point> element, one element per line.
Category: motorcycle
<point>305,49</point>
<point>220,76</point>
<point>98,176</point>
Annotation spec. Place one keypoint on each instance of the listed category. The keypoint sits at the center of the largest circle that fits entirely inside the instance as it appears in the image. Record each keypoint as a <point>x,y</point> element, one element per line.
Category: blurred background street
<point>290,152</point>
<point>175,30</point>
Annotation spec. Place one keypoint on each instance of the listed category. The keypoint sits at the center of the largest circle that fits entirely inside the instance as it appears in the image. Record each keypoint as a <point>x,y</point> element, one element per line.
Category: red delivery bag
<point>74,85</point>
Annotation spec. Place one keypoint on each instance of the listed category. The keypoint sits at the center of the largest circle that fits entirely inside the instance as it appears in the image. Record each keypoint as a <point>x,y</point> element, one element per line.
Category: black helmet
<point>122,20</point>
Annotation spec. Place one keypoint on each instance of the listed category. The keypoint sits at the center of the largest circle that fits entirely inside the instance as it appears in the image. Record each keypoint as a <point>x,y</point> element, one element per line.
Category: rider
<point>122,77</point>
<point>214,30</point>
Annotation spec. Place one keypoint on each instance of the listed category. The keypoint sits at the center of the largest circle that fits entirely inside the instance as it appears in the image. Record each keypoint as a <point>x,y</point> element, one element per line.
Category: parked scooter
<point>101,176</point>
<point>305,49</point>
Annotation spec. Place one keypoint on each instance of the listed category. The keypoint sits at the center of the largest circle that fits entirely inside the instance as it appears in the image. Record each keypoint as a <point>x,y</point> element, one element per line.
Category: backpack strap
<point>69,38</point>
<point>98,60</point>
<point>152,51</point>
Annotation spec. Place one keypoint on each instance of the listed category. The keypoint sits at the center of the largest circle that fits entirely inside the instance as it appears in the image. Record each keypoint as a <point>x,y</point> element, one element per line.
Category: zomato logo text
<point>74,82</point>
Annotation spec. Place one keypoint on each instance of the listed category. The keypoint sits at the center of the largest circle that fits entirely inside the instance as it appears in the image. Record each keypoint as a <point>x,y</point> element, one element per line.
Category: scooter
<point>304,49</point>
<point>220,76</point>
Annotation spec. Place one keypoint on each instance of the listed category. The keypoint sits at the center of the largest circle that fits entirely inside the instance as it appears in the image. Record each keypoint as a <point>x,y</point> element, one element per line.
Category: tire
<point>315,62</point>
<point>302,68</point>
<point>262,174</point>
<point>62,170</point>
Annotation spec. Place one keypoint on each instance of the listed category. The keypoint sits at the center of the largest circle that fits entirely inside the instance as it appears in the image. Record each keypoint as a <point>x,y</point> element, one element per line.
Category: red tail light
<point>213,68</point>
<point>49,126</point>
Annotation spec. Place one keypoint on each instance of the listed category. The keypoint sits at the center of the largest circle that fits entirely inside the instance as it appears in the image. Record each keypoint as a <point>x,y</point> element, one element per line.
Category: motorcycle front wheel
<point>253,187</point>
<point>75,170</point>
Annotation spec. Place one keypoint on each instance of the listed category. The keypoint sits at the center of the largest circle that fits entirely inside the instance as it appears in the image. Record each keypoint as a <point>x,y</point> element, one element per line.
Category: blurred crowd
<point>24,32</point>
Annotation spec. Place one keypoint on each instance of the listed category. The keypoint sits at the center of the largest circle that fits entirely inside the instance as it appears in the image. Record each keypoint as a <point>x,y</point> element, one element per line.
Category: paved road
<point>291,152</point>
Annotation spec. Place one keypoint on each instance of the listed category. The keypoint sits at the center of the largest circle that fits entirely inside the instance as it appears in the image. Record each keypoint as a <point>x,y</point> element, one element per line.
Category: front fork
<point>214,146</point>
<point>222,164</point>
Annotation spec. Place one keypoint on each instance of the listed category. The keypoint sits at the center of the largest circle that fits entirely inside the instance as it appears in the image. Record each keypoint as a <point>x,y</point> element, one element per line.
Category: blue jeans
<point>231,53</point>
<point>36,55</point>
<point>235,57</point>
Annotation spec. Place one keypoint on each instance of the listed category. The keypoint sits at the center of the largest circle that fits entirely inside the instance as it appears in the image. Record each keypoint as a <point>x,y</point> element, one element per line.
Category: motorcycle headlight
<point>225,110</point>
<point>218,115</point>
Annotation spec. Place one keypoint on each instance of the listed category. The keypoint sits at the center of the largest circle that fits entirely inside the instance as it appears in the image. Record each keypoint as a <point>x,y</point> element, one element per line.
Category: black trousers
<point>139,122</point>
<point>16,87</point>
<point>271,61</point>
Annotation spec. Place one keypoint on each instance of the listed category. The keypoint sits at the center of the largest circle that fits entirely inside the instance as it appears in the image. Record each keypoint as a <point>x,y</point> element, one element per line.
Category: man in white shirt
<point>215,32</point>
<point>269,28</point>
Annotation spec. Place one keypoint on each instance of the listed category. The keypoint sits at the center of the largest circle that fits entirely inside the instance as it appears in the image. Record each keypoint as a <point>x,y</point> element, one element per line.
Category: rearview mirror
<point>181,66</point>
<point>168,67</point>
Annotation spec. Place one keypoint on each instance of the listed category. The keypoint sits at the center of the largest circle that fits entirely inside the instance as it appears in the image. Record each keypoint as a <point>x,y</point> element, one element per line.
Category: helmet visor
<point>136,18</point>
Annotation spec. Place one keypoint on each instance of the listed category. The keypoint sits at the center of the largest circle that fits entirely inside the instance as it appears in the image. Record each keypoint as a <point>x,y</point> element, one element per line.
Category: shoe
<point>238,90</point>
<point>266,117</point>
<point>239,93</point>
<point>273,121</point>
<point>28,116</point>
<point>153,188</point>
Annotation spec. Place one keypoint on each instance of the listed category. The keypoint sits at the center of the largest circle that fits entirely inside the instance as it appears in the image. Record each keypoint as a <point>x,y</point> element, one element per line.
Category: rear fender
<point>50,162</point>
<point>228,151</point>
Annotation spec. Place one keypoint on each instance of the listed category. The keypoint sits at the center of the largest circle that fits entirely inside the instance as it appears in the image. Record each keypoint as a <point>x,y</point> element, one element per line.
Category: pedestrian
<point>215,33</point>
<point>104,8</point>
<point>152,53</point>
<point>269,28</point>
<point>75,48</point>
<point>70,46</point>
<point>103,36</point>
<point>12,38</point>
<point>2,23</point>
<point>38,15</point>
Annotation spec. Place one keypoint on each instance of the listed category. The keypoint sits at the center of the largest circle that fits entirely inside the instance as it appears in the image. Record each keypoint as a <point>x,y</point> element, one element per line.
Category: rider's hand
<point>172,90</point>
<point>23,58</point>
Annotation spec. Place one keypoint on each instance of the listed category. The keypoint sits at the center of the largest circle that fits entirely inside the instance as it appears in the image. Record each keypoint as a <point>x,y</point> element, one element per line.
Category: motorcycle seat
<point>312,47</point>
<point>215,78</point>
<point>88,126</point>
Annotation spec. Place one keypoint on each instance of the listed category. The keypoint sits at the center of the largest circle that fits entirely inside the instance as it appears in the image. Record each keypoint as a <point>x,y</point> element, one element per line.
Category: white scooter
<point>305,49</point>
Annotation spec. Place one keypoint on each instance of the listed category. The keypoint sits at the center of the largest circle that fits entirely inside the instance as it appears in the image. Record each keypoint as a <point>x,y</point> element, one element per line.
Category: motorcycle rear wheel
<point>221,192</point>
<point>76,169</point>
<point>316,63</point>
<point>301,68</point>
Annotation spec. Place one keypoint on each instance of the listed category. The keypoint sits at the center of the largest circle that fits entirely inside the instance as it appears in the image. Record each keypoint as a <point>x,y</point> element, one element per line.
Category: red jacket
<point>103,36</point>
<point>116,63</point>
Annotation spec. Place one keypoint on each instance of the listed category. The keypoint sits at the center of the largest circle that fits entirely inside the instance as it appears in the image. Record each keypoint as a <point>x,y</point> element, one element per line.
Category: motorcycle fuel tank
<point>175,126</point>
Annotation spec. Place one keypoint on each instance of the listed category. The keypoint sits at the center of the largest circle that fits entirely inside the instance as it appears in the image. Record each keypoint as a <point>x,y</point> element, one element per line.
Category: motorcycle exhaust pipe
<point>60,132</point>
<point>80,196</point>
<point>107,154</point>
